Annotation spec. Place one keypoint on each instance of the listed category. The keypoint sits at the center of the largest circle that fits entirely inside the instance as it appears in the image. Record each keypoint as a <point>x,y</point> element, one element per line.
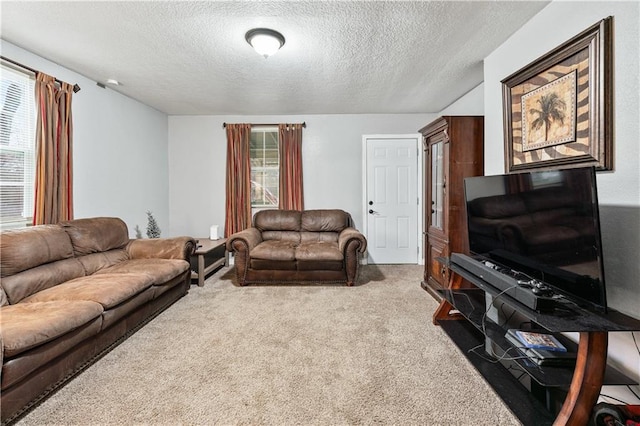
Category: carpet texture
<point>285,355</point>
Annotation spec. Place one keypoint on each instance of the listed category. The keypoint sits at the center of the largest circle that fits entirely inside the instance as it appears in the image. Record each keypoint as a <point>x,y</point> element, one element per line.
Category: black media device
<point>541,227</point>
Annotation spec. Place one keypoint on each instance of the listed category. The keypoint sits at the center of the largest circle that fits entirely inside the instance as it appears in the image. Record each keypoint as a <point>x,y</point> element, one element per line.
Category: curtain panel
<point>291,191</point>
<point>54,154</point>
<point>238,180</point>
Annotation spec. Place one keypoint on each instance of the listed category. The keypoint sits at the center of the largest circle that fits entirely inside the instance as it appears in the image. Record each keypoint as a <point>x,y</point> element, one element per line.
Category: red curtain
<point>291,191</point>
<point>238,181</point>
<point>54,156</point>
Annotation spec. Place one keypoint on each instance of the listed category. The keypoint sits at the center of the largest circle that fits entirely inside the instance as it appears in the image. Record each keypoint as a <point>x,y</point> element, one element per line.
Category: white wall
<point>471,103</point>
<point>331,152</point>
<point>554,25</point>
<point>618,191</point>
<point>119,150</point>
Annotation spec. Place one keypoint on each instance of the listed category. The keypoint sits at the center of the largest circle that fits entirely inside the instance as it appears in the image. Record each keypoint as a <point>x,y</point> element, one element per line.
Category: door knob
<point>373,212</point>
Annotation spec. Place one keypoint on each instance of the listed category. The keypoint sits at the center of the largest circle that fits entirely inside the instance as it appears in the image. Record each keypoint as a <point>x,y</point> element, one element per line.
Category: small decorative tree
<point>153,230</point>
<point>138,232</point>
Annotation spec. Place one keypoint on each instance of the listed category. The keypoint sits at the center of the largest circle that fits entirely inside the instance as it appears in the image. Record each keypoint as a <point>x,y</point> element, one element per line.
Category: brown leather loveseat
<point>295,246</point>
<point>72,291</point>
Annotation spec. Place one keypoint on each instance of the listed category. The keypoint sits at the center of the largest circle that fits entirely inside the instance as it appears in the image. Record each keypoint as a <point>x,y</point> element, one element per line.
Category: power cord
<point>506,321</point>
<point>504,356</point>
<point>494,359</point>
<point>493,300</point>
<point>635,342</point>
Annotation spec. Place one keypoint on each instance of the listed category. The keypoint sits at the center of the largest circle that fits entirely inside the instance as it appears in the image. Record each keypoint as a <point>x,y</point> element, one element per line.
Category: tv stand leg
<point>443,312</point>
<point>587,379</point>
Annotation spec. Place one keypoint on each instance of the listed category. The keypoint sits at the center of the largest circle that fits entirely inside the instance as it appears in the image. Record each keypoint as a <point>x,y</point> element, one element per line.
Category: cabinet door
<point>438,274</point>
<point>437,184</point>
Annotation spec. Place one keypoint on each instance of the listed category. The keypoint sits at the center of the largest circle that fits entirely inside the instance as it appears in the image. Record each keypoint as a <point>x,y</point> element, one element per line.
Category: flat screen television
<point>544,224</point>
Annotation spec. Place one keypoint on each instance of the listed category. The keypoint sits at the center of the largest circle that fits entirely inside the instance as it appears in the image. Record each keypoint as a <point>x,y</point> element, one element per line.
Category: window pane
<point>11,166</point>
<point>264,168</point>
<point>17,146</point>
<point>271,158</point>
<point>271,140</point>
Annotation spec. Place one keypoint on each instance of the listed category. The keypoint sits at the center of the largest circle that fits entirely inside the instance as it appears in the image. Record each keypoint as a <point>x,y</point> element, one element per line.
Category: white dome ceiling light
<point>265,41</point>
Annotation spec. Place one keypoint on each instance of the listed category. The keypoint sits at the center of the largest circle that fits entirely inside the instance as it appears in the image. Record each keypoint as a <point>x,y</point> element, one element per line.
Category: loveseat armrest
<point>162,248</point>
<point>244,240</point>
<point>240,244</point>
<point>351,237</point>
<point>351,243</point>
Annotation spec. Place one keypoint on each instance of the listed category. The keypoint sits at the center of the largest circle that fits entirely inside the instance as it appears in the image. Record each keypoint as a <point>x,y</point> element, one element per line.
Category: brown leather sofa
<point>70,292</point>
<point>297,246</point>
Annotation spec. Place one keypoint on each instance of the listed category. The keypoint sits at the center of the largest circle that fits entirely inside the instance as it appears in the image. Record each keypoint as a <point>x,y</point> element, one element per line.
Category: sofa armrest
<point>351,243</point>
<point>240,244</point>
<point>244,240</point>
<point>162,248</point>
<point>352,237</point>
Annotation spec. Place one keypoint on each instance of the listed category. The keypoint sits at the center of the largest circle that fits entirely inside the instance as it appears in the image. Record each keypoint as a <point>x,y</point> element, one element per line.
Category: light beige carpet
<point>285,355</point>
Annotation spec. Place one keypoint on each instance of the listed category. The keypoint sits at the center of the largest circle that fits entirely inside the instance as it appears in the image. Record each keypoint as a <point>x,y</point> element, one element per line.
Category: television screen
<point>544,224</point>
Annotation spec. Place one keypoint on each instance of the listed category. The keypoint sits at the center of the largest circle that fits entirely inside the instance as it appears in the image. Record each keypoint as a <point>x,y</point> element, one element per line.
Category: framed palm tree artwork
<point>558,110</point>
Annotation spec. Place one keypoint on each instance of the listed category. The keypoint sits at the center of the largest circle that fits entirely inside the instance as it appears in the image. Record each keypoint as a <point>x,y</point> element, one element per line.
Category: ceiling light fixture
<point>113,82</point>
<point>265,41</point>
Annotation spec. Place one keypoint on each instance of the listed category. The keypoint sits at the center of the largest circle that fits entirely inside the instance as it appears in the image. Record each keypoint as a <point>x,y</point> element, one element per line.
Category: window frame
<point>264,130</point>
<point>26,144</point>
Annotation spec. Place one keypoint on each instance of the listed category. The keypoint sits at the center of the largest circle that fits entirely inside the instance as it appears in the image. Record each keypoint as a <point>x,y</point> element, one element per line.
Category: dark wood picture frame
<point>558,110</point>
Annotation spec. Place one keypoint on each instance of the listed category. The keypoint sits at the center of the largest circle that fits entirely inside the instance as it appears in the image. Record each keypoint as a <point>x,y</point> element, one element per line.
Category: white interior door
<point>391,198</point>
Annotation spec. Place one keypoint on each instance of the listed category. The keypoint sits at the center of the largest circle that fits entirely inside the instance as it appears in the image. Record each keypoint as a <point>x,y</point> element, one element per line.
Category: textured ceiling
<point>187,57</point>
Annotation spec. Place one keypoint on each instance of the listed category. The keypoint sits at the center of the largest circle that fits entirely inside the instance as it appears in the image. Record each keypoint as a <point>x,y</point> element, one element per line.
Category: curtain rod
<point>76,88</point>
<point>304,124</point>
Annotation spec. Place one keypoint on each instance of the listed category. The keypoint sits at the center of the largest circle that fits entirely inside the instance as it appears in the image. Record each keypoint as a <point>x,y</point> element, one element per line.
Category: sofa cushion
<point>25,283</point>
<point>309,237</point>
<point>319,250</point>
<point>277,220</point>
<point>291,236</point>
<point>160,271</point>
<point>274,250</point>
<point>27,325</point>
<point>92,263</point>
<point>19,367</point>
<point>324,220</point>
<point>26,248</point>
<point>94,235</point>
<point>108,290</point>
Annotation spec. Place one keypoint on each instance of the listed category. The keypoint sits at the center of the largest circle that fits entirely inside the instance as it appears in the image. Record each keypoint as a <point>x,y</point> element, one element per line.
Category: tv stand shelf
<point>471,305</point>
<point>462,315</point>
<point>567,318</point>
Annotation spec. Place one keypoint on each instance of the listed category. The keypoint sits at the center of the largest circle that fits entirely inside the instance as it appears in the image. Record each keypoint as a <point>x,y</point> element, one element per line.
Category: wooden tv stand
<point>462,315</point>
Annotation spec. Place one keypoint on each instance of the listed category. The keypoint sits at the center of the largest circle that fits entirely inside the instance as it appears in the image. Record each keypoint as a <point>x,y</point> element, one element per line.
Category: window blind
<point>17,146</point>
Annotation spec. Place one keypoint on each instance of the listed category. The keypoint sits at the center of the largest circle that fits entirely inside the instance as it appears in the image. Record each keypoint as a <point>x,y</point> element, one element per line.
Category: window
<point>17,147</point>
<point>265,164</point>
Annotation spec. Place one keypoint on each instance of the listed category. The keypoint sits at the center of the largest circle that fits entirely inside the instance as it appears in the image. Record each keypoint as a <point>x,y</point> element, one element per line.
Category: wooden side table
<point>209,255</point>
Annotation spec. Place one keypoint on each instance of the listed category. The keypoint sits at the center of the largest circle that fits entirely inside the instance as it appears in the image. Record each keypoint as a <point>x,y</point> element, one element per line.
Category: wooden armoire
<point>454,149</point>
